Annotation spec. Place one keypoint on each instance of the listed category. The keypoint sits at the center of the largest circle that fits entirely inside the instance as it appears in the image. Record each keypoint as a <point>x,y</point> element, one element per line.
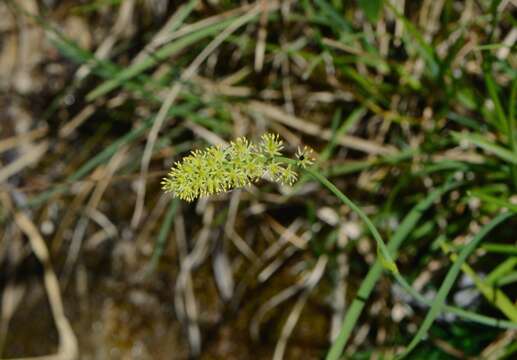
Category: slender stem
<point>387,262</point>
<point>482,319</point>
<point>376,270</point>
<point>386,258</point>
<point>438,302</point>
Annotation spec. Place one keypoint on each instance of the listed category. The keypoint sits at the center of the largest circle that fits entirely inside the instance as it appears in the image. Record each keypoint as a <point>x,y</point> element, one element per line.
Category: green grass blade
<point>501,203</point>
<point>512,128</point>
<point>508,279</point>
<point>467,315</point>
<point>93,6</point>
<point>501,270</point>
<point>160,55</point>
<point>105,155</point>
<point>161,241</point>
<point>491,86</point>
<point>350,121</point>
<point>493,295</point>
<point>385,256</point>
<point>181,14</point>
<point>102,68</point>
<point>371,8</point>
<point>506,249</point>
<point>334,18</point>
<point>481,142</point>
<point>375,271</point>
<point>447,284</point>
<point>425,50</point>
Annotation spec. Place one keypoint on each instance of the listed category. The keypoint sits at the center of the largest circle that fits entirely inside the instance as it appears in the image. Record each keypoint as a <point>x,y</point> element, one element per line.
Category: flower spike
<point>216,169</point>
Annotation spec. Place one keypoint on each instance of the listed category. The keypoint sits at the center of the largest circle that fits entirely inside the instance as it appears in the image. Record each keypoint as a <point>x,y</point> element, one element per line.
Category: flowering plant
<point>217,169</point>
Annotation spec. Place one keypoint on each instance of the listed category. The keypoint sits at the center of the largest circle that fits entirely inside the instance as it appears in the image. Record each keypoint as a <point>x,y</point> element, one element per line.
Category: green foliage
<point>446,286</point>
<point>413,116</point>
<point>371,8</point>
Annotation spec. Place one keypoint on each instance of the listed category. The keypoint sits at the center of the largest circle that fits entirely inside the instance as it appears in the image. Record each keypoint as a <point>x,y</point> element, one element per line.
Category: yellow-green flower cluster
<point>305,157</point>
<point>217,169</point>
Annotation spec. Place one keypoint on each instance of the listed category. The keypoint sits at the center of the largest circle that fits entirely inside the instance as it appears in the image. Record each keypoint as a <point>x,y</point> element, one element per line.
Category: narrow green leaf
<point>367,285</point>
<point>387,264</point>
<point>502,203</point>
<point>450,278</point>
<point>381,247</point>
<point>493,295</point>
<point>105,155</point>
<point>508,279</point>
<point>160,55</point>
<point>161,241</point>
<point>426,51</point>
<point>467,315</point>
<point>501,270</point>
<point>512,127</point>
<point>507,249</point>
<point>333,17</point>
<point>371,8</point>
<point>492,91</point>
<point>483,143</point>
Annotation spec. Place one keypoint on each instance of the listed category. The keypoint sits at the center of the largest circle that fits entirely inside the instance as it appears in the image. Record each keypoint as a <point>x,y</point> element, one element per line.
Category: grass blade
<point>375,272</point>
<point>371,8</point>
<point>502,203</point>
<point>161,241</point>
<point>426,51</point>
<point>494,296</point>
<point>104,156</point>
<point>383,252</point>
<point>160,55</point>
<point>488,146</point>
<point>450,278</point>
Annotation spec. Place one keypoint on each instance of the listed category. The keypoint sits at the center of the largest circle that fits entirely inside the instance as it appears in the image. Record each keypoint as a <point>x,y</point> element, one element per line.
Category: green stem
<point>386,258</point>
<point>482,319</point>
<point>459,261</point>
<point>376,271</point>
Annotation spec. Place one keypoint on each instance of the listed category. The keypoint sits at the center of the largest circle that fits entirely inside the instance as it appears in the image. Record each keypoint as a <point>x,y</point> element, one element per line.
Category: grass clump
<point>411,106</point>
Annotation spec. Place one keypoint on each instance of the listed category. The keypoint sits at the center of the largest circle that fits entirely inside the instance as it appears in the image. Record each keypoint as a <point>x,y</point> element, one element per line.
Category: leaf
<point>375,272</point>
<point>106,154</point>
<point>500,202</point>
<point>447,284</point>
<point>371,8</point>
<point>481,142</point>
<point>425,50</point>
<point>159,55</point>
<point>161,241</point>
<point>387,264</point>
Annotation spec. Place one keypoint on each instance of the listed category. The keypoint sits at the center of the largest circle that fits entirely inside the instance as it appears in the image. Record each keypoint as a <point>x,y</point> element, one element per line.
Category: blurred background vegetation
<point>409,105</point>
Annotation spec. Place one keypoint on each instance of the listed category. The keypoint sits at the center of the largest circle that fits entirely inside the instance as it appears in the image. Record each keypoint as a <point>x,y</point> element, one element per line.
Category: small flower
<point>271,144</point>
<point>287,176</point>
<point>305,157</point>
<point>217,169</point>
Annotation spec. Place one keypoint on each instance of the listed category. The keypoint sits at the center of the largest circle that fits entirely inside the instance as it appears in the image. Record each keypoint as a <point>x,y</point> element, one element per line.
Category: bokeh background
<point>409,106</point>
